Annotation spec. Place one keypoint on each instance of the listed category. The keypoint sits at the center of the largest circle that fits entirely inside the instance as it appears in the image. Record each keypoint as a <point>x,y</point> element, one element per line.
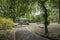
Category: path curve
<point>23,34</point>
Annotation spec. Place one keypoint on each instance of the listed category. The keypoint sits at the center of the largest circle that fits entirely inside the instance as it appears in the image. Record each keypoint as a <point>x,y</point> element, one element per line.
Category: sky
<point>36,13</point>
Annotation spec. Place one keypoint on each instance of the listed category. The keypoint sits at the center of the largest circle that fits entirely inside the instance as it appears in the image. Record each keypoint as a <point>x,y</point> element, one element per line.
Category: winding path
<point>23,34</point>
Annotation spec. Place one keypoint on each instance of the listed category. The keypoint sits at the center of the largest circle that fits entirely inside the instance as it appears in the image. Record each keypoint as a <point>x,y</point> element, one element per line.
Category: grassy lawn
<point>54,30</point>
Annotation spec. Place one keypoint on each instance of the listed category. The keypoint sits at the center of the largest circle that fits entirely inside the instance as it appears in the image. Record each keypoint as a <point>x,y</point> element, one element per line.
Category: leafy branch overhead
<point>27,8</point>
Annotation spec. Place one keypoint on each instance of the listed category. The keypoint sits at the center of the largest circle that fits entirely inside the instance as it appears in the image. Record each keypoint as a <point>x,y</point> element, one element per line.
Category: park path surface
<point>22,33</point>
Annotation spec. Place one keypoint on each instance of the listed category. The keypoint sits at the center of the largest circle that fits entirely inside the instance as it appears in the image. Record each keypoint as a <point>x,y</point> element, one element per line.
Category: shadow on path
<point>23,34</point>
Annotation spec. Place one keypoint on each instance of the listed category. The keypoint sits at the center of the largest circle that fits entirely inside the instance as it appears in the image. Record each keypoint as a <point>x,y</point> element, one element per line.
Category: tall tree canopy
<point>18,8</point>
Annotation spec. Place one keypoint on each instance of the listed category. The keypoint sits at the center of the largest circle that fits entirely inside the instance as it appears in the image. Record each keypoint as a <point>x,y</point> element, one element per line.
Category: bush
<point>6,23</point>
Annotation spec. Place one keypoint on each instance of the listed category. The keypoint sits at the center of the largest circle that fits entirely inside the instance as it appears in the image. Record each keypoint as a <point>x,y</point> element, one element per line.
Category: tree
<point>59,12</point>
<point>45,15</point>
<point>19,8</point>
<point>53,10</point>
<point>3,8</point>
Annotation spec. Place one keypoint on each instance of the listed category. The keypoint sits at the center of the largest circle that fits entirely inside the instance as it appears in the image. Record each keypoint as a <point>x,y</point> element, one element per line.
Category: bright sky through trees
<point>36,13</point>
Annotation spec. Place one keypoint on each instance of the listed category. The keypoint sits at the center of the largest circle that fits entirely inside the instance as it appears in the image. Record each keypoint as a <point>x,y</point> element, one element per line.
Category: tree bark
<point>14,18</point>
<point>45,16</point>
<point>46,19</point>
<point>59,13</point>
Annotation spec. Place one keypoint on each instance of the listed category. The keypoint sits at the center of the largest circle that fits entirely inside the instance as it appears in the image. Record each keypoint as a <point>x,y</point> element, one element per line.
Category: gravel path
<point>23,34</point>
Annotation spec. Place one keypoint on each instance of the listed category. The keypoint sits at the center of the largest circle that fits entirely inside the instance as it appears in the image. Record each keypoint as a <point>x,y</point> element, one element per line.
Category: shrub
<point>6,23</point>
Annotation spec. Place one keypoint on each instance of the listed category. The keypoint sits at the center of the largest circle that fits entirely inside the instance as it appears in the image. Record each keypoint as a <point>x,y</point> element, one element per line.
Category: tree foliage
<point>25,8</point>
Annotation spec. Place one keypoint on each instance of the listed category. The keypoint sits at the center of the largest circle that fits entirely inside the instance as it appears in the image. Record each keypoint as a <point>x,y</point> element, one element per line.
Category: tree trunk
<point>46,29</point>
<point>13,19</point>
<point>45,16</point>
<point>46,19</point>
<point>59,13</point>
